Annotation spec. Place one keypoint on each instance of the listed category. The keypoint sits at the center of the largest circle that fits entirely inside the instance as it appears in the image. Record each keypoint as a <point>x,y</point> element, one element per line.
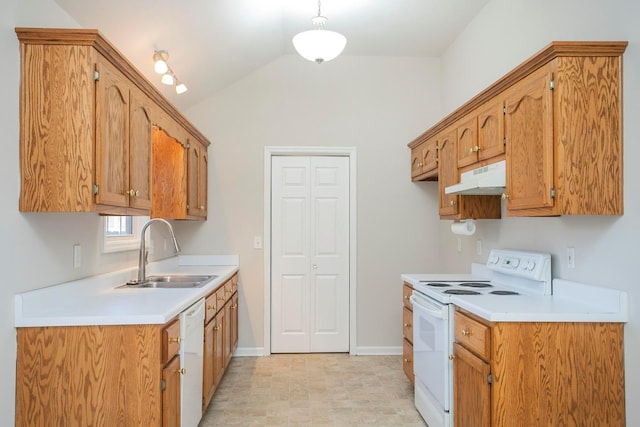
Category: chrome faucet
<point>142,262</point>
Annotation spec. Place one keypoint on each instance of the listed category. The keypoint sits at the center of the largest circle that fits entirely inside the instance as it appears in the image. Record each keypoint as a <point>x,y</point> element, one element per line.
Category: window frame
<point>112,244</point>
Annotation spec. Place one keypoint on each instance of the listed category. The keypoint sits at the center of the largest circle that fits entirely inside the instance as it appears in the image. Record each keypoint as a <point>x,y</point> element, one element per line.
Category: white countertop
<point>97,300</point>
<point>570,302</point>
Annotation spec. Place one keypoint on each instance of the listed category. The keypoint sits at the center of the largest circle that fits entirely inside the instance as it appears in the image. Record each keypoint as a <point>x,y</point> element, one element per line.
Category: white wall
<point>504,34</point>
<point>377,105</point>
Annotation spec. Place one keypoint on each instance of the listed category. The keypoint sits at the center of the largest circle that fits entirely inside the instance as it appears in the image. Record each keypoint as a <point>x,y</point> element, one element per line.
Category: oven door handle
<point>434,310</point>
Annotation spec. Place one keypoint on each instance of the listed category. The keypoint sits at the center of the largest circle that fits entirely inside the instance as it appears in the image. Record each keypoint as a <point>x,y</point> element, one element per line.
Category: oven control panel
<point>529,265</point>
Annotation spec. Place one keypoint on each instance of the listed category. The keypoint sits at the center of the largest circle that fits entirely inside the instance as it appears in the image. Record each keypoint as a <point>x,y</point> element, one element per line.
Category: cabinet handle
<point>182,371</point>
<point>452,202</point>
<point>451,357</point>
<point>466,333</point>
<point>505,196</point>
<point>132,193</point>
<point>407,296</point>
<point>137,193</point>
<point>407,360</point>
<point>175,340</point>
<point>407,325</point>
<point>474,149</point>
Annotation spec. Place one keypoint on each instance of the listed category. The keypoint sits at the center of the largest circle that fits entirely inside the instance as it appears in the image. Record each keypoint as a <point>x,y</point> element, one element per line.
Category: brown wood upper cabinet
<point>564,138</point>
<point>453,206</point>
<point>481,134</point>
<point>86,120</point>
<point>424,161</point>
<point>558,127</point>
<point>197,173</point>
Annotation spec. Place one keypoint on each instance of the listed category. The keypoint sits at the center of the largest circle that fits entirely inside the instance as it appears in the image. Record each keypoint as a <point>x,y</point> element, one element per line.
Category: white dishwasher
<point>191,360</point>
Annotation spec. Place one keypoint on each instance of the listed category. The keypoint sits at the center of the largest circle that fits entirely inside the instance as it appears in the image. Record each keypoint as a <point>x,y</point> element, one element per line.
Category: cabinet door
<point>197,165</point>
<point>209,363</point>
<point>430,157</point>
<point>491,129</point>
<point>529,135</point>
<point>112,136</point>
<point>447,171</point>
<point>416,161</point>
<point>227,333</point>
<point>467,141</point>
<point>234,322</point>
<point>219,353</point>
<point>169,194</point>
<point>471,389</point>
<point>141,135</point>
<point>171,394</point>
<point>407,360</point>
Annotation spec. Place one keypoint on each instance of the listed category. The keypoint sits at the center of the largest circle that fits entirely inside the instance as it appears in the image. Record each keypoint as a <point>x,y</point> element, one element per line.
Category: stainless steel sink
<point>175,281</point>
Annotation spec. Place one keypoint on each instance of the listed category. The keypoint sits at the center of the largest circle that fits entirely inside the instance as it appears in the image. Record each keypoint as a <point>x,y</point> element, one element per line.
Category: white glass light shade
<point>319,45</point>
<point>181,88</point>
<point>160,67</point>
<point>167,79</point>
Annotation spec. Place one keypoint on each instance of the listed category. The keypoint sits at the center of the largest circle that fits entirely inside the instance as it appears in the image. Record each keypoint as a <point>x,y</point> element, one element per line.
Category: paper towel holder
<point>465,227</point>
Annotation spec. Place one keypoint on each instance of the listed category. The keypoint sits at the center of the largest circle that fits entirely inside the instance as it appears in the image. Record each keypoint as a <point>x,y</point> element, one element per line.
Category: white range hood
<point>485,180</point>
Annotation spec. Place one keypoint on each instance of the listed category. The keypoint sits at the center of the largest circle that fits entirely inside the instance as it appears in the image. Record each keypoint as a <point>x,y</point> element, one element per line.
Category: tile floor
<point>313,389</point>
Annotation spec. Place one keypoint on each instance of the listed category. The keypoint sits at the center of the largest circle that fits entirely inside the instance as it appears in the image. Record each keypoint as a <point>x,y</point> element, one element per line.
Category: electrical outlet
<point>77,256</point>
<point>571,257</point>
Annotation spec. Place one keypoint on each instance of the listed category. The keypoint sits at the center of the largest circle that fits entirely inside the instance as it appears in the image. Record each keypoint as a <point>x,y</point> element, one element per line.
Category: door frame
<point>349,152</point>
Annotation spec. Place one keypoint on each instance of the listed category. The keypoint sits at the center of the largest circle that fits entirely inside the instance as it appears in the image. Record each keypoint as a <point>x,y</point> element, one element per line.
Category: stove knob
<point>531,265</point>
<point>494,259</point>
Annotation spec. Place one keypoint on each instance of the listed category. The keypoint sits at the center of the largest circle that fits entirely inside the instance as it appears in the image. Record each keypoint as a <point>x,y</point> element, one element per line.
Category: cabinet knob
<point>406,325</point>
<point>452,202</point>
<point>202,207</point>
<point>451,357</point>
<point>175,340</point>
<point>407,296</point>
<point>211,307</point>
<point>505,196</point>
<point>315,266</point>
<point>407,360</point>
<point>466,333</point>
<point>137,193</point>
<point>182,371</point>
<point>217,327</point>
<point>132,193</point>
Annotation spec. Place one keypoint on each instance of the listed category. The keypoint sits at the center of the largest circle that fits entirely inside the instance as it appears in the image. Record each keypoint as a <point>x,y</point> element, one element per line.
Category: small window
<point>122,233</point>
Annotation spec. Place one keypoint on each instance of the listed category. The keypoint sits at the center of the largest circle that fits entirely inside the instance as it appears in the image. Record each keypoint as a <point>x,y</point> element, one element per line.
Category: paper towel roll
<point>463,228</point>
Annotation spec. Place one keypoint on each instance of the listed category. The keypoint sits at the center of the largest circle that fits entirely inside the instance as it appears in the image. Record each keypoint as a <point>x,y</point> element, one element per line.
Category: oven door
<point>432,367</point>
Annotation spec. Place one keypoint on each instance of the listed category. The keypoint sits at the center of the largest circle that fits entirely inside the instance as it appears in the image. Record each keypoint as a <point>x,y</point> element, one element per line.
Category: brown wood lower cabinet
<point>407,332</point>
<point>220,336</point>
<point>537,373</point>
<point>118,375</point>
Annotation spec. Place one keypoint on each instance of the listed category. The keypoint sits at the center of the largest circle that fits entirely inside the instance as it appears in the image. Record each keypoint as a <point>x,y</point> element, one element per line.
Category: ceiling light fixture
<point>161,66</point>
<point>319,45</point>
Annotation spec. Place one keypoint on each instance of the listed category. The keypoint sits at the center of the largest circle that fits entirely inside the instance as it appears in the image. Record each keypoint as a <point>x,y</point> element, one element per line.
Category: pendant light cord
<point>318,7</point>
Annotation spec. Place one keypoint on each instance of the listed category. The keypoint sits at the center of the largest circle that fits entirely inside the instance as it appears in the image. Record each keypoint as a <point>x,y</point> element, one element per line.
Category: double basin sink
<point>169,281</point>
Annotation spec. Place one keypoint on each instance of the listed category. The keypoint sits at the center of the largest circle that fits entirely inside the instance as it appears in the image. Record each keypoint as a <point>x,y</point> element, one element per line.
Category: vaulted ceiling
<point>213,43</point>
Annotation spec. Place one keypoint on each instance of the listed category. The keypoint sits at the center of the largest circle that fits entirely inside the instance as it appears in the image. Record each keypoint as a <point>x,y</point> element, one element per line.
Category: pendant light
<point>161,66</point>
<point>319,45</point>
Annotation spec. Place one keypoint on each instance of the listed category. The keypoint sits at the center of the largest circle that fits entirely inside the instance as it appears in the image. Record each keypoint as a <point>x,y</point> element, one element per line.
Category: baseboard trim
<point>248,352</point>
<point>378,351</point>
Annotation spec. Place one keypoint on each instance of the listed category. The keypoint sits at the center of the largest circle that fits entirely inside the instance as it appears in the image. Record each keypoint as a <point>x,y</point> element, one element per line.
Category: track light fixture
<point>161,66</point>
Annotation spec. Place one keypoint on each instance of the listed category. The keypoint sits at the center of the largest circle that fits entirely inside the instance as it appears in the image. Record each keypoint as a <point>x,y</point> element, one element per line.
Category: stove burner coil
<point>504,293</point>
<point>476,285</point>
<point>460,292</point>
<point>438,285</point>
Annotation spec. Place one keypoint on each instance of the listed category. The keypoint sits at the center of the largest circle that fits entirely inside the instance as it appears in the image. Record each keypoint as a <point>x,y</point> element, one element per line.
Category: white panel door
<point>310,254</point>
